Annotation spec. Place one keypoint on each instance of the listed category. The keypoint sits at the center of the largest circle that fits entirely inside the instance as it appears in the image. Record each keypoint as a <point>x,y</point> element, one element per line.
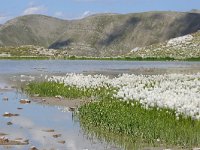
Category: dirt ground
<point>53,101</point>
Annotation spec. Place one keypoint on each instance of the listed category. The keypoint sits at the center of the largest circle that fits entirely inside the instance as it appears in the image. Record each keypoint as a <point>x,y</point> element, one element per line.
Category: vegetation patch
<point>154,126</point>
<point>156,109</point>
<point>52,89</point>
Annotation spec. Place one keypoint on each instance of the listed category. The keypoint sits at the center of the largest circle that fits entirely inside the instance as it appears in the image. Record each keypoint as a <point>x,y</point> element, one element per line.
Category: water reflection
<point>35,119</point>
<point>31,67</point>
<point>121,141</point>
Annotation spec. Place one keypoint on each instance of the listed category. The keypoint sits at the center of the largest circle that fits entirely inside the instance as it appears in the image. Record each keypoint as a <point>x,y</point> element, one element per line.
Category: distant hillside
<point>98,35</point>
<point>183,47</point>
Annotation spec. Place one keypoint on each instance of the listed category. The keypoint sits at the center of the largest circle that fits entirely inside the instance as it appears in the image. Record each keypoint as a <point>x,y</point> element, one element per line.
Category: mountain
<point>99,35</point>
<point>187,46</point>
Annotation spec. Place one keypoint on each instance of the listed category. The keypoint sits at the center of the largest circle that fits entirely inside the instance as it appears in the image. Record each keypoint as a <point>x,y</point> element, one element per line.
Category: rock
<point>9,123</point>
<point>72,108</point>
<point>61,142</point>
<point>25,101</point>
<point>49,130</point>
<point>7,114</point>
<point>5,98</point>
<point>4,139</point>
<point>56,135</point>
<point>33,148</point>
<point>18,139</point>
<point>26,141</point>
<point>58,96</point>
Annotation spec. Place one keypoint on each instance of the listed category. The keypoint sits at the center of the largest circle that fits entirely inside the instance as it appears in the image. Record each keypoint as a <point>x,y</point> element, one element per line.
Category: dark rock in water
<point>9,123</point>
<point>5,98</point>
<point>61,142</point>
<point>7,114</point>
<point>5,141</point>
<point>33,148</point>
<point>56,135</point>
<point>49,130</point>
<point>25,101</point>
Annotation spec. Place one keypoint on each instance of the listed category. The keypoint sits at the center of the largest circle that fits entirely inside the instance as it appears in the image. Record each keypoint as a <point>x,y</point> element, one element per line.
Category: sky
<point>76,9</point>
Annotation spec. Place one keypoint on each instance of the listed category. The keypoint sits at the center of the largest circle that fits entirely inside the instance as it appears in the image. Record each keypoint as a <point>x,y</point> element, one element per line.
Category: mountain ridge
<point>100,34</point>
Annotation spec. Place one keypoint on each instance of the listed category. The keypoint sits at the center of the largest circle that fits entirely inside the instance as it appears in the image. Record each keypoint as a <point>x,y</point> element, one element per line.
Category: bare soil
<point>71,103</point>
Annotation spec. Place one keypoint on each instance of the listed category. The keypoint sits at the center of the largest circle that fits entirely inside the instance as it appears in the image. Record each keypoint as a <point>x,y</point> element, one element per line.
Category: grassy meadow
<point>154,125</point>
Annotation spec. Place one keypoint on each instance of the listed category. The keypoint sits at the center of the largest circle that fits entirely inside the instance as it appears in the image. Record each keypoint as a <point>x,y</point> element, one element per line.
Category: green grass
<point>150,125</point>
<point>131,119</point>
<point>193,59</point>
<point>100,58</point>
<point>51,89</point>
<point>126,58</point>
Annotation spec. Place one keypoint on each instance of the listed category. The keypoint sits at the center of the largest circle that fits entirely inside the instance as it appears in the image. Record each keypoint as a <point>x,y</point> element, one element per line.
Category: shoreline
<point>64,102</point>
<point>122,58</point>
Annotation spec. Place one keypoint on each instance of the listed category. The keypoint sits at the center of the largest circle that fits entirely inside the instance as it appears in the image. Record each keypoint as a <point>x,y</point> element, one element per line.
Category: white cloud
<point>86,14</point>
<point>35,10</point>
<point>4,18</point>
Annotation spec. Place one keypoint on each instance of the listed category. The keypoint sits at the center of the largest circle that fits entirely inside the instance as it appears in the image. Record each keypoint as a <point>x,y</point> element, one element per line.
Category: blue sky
<point>75,9</point>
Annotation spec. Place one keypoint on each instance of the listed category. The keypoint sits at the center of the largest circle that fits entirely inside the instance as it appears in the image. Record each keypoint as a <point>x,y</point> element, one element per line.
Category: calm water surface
<point>34,118</point>
<point>64,66</point>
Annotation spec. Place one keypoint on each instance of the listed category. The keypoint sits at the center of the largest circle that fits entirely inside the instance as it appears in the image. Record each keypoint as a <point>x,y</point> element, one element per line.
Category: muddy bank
<point>6,141</point>
<point>53,101</point>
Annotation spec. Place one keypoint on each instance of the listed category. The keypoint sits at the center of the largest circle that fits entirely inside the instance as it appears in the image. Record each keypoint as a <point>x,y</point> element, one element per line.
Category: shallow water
<point>34,118</point>
<point>77,66</point>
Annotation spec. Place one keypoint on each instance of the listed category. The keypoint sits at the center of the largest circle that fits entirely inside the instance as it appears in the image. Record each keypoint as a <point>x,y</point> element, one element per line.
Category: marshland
<point>93,104</point>
<point>100,75</point>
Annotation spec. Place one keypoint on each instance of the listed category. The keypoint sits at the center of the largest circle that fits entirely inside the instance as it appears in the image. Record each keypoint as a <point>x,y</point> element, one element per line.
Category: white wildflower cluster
<point>179,92</point>
<point>81,81</point>
<point>175,91</point>
<point>180,40</point>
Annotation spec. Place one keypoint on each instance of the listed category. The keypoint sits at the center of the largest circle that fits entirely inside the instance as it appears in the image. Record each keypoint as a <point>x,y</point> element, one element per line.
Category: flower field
<point>163,108</point>
<point>174,91</point>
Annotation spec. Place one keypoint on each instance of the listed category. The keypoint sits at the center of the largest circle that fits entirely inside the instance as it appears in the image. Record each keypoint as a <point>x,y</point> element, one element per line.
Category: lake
<point>35,119</point>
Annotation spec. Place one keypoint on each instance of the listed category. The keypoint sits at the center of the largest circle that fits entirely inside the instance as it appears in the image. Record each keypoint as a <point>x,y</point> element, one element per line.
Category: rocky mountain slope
<point>98,35</point>
<point>183,47</point>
